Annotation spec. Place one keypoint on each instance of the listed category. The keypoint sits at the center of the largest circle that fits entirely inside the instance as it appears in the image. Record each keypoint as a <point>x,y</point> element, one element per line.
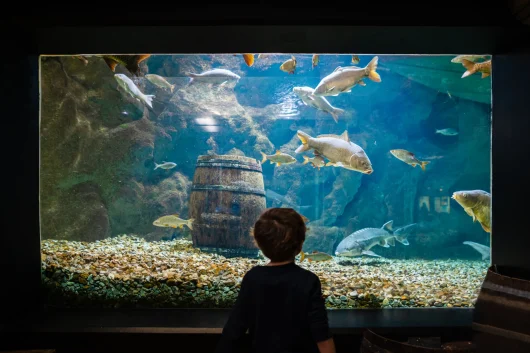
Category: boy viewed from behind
<point>280,304</point>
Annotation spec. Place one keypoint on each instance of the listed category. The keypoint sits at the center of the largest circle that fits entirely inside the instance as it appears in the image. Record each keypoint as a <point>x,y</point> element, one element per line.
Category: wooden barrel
<point>501,318</point>
<point>375,343</point>
<point>227,197</point>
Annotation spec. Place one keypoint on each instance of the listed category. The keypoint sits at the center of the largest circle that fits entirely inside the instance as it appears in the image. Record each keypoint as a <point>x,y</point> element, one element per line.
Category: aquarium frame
<point>25,306</point>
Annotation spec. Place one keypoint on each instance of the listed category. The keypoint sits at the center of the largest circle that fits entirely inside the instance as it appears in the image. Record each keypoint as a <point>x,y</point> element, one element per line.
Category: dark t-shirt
<point>283,309</point>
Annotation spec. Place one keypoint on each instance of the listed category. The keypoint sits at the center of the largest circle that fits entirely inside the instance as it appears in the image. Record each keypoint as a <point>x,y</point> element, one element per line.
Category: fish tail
<point>335,114</point>
<point>470,66</point>
<point>172,87</point>
<point>149,100</point>
<point>264,157</point>
<point>189,223</point>
<point>191,75</point>
<point>302,256</point>
<point>306,160</point>
<point>304,138</point>
<point>371,68</point>
<point>157,166</point>
<point>423,164</point>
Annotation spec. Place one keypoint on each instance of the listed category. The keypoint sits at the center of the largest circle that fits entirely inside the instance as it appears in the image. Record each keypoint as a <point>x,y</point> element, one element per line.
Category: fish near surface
<point>279,158</point>
<point>409,158</point>
<point>165,165</point>
<point>474,58</point>
<point>484,250</point>
<point>477,204</point>
<point>342,80</point>
<point>360,242</point>
<point>289,66</point>
<point>471,68</point>
<point>214,76</point>
<point>128,86</point>
<point>173,221</point>
<point>159,81</point>
<point>314,60</point>
<point>131,62</point>
<point>316,161</point>
<point>355,59</point>
<point>315,256</point>
<point>339,150</point>
<point>306,95</point>
<point>249,59</point>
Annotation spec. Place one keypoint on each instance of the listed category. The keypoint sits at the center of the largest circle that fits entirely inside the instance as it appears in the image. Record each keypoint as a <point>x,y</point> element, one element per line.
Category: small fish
<point>314,60</point>
<point>342,80</point>
<point>484,250</point>
<point>471,68</point>
<point>474,58</point>
<point>340,151</point>
<point>315,256</point>
<point>355,59</point>
<point>82,58</point>
<point>433,157</point>
<point>165,165</point>
<point>214,76</point>
<point>447,132</point>
<point>477,204</point>
<point>316,161</point>
<point>409,158</point>
<point>279,158</point>
<point>289,66</point>
<point>173,221</point>
<point>263,56</point>
<point>249,59</point>
<point>131,62</point>
<point>160,82</point>
<point>128,85</point>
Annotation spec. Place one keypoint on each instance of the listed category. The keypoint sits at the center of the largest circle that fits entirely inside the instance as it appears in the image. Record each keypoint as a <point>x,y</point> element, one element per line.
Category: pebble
<point>127,270</point>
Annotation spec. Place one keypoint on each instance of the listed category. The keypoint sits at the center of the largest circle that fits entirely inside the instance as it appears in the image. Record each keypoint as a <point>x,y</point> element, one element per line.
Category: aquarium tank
<point>154,169</point>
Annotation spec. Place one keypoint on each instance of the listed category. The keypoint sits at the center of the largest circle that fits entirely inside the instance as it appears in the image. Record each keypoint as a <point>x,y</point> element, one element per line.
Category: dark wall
<point>510,158</point>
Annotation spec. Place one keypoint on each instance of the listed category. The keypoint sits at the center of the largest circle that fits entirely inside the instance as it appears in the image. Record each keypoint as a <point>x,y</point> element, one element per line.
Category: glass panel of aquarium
<point>154,169</point>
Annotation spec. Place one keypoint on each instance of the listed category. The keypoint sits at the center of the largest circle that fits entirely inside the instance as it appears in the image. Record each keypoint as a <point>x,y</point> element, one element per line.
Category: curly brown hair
<point>280,233</point>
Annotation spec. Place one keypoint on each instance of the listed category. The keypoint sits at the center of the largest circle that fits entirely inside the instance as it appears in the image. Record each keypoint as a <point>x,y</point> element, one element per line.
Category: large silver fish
<point>340,151</point>
<point>128,86</point>
<point>215,76</point>
<point>360,242</point>
<point>306,95</point>
<point>343,79</point>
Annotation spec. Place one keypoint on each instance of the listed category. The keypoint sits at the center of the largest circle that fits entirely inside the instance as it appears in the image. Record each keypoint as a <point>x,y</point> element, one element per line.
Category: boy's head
<point>280,233</point>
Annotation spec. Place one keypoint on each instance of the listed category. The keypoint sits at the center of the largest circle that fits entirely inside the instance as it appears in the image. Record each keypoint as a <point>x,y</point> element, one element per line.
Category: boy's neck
<point>271,263</point>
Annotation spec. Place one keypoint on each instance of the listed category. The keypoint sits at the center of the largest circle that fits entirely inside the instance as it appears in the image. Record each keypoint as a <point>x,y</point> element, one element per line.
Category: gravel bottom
<point>127,271</point>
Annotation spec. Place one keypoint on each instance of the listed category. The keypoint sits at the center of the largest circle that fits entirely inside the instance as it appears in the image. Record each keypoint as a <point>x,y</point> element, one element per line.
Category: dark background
<point>29,30</point>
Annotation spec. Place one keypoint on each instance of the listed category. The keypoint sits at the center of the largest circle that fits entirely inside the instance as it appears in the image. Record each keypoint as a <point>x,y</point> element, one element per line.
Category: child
<point>281,304</point>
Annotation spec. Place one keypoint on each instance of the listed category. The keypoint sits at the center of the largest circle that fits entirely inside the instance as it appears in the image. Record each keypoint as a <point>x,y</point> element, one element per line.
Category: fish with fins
<point>339,150</point>
<point>355,59</point>
<point>314,60</point>
<point>289,66</point>
<point>477,204</point>
<point>360,242</point>
<point>471,68</point>
<point>214,77</point>
<point>279,158</point>
<point>409,158</point>
<point>159,81</point>
<point>130,62</point>
<point>321,103</point>
<point>474,58</point>
<point>315,256</point>
<point>317,161</point>
<point>342,80</point>
<point>128,86</point>
<point>173,221</point>
<point>249,59</point>
<point>165,165</point>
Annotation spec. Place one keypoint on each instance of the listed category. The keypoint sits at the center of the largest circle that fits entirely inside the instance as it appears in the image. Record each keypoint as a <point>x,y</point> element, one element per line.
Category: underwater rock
<point>78,213</point>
